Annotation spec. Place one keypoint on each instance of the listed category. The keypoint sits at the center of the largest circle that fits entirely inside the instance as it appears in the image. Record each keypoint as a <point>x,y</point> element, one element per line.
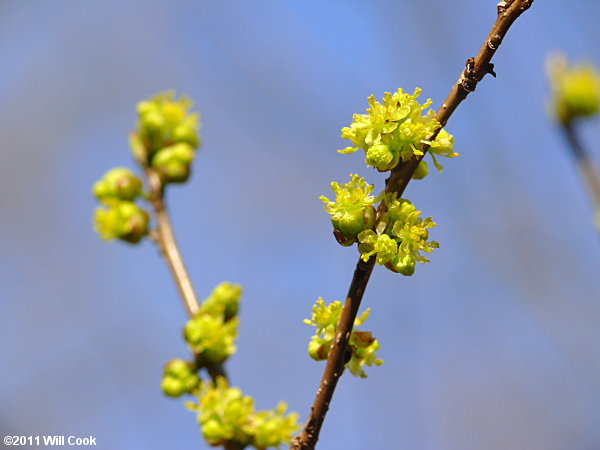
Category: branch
<point>587,169</point>
<point>165,240</point>
<point>476,68</point>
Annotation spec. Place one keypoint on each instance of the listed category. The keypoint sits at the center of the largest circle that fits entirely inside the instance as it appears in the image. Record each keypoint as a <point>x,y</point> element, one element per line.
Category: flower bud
<point>123,220</point>
<point>173,163</point>
<point>117,184</point>
<point>350,223</point>
<point>379,156</point>
<point>404,264</point>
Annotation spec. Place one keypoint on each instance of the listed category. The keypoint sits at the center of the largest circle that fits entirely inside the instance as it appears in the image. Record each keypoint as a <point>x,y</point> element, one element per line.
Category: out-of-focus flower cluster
<point>119,216</point>
<point>227,416</point>
<point>212,332</point>
<point>575,89</point>
<point>164,141</point>
<point>166,136</point>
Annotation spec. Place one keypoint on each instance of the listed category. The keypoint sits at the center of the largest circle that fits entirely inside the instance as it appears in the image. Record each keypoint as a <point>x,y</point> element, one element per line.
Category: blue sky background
<point>493,345</point>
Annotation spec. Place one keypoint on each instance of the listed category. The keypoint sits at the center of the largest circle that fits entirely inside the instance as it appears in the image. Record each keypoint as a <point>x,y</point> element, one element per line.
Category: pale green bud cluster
<point>575,89</point>
<point>120,217</point>
<point>363,346</point>
<point>352,211</point>
<point>166,136</point>
<point>400,237</point>
<point>180,377</point>
<point>226,416</point>
<point>395,131</point>
<point>212,332</point>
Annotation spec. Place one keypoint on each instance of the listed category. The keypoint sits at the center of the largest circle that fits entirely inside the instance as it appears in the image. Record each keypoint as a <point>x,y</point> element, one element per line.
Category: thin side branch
<point>476,69</point>
<point>586,167</point>
<point>168,246</point>
<point>165,240</point>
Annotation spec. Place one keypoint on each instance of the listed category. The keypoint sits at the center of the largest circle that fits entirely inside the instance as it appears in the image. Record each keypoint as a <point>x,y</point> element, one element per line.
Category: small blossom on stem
<point>352,211</point>
<point>325,318</point>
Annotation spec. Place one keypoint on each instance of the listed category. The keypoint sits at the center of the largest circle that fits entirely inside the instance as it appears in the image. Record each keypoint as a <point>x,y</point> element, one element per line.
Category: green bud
<point>403,264</point>
<point>123,220</point>
<point>350,223</point>
<point>173,163</point>
<point>172,387</point>
<point>380,156</point>
<point>421,172</point>
<point>212,430</point>
<point>179,378</point>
